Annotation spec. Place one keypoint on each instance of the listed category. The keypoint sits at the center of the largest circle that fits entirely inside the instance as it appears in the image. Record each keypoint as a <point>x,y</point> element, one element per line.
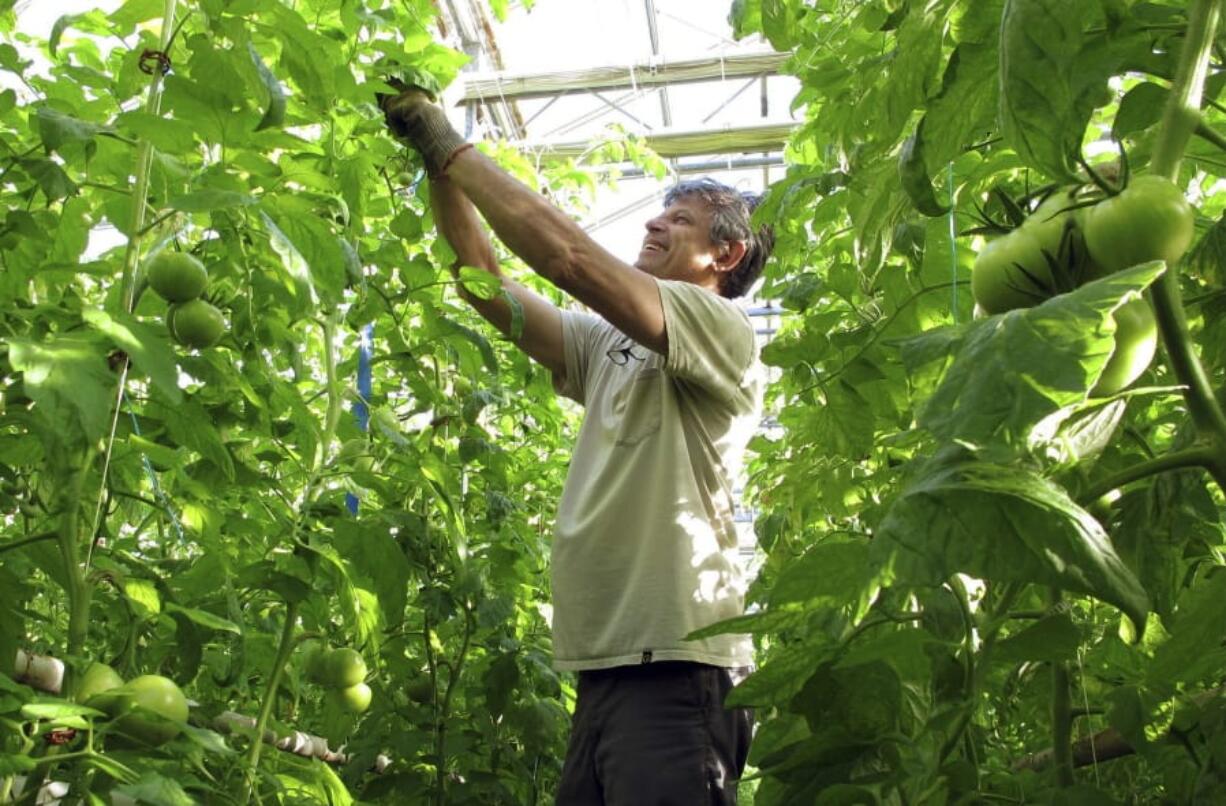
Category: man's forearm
<point>458,223</point>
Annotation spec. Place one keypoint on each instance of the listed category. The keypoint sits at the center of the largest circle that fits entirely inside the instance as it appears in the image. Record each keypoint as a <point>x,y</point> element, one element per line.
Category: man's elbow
<point>563,268</point>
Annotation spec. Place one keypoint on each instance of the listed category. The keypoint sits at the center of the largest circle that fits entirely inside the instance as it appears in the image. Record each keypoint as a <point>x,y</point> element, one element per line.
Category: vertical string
<point>361,411</point>
<point>953,245</point>
<point>158,494</point>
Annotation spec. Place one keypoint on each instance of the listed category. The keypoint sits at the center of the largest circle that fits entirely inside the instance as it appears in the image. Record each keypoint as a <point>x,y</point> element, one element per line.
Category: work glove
<point>420,123</point>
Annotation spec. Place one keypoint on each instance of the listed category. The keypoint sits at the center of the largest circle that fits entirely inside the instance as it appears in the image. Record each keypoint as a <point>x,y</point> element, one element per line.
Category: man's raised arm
<point>544,237</point>
<point>542,326</point>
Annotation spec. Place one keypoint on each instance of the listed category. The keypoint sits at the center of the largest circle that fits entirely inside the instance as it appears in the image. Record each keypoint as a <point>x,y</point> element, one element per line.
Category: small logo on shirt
<point>646,656</point>
<point>622,355</point>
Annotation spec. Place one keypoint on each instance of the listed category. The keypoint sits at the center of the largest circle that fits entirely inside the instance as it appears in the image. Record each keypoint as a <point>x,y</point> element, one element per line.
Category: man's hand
<point>416,120</point>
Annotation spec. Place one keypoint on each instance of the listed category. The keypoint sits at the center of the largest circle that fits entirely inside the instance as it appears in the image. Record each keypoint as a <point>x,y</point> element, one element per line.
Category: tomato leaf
<point>1051,77</point>
<point>156,790</point>
<point>1004,374</point>
<point>914,175</point>
<point>1053,638</point>
<point>69,380</point>
<point>148,347</point>
<point>1140,108</point>
<point>274,113</point>
<point>1004,524</point>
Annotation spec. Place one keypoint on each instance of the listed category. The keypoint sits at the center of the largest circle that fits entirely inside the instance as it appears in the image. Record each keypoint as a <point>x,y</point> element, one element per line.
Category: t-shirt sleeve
<point>710,340</point>
<point>578,331</point>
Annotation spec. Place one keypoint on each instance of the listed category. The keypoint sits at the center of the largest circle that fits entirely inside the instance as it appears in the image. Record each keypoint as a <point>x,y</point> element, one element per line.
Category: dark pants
<point>655,735</point>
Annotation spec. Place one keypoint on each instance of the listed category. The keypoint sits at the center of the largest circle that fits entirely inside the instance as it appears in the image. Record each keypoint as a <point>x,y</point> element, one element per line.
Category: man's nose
<point>654,224</point>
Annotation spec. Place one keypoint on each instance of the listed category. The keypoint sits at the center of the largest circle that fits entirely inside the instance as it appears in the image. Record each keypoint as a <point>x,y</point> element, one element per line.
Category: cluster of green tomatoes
<point>1068,241</point>
<point>180,279</point>
<point>342,672</point>
<point>149,708</point>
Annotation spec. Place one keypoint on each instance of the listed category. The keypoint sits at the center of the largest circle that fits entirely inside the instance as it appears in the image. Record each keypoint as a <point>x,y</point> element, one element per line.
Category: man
<point>644,548</point>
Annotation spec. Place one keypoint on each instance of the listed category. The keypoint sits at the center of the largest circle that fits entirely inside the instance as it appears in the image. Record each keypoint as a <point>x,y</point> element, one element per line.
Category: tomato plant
<point>983,577</point>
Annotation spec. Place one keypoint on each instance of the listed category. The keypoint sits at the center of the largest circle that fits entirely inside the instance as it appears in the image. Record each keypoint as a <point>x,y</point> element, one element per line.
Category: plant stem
<point>144,162</point>
<point>444,710</point>
<point>1061,716</point>
<point>1180,119</point>
<point>284,648</point>
<point>1177,460</point>
<point>78,589</point>
<point>25,541</point>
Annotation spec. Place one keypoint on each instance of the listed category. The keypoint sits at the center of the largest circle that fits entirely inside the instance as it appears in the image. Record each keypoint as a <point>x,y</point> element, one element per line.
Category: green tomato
<point>344,668</point>
<point>354,699</point>
<point>143,706</point>
<point>196,324</point>
<point>1148,220</point>
<point>1136,340</point>
<point>1011,272</point>
<point>1059,230</point>
<point>97,678</point>
<point>356,453</point>
<point>176,276</point>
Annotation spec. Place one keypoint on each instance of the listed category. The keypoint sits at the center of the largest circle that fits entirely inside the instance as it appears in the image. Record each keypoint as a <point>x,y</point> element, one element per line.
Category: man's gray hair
<point>730,213</point>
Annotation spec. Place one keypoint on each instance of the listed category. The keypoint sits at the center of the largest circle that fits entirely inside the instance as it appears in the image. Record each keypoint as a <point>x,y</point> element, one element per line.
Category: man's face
<point>678,243</point>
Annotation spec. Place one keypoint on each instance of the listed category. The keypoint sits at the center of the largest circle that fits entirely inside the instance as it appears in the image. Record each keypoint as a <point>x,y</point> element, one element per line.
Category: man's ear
<point>730,255</point>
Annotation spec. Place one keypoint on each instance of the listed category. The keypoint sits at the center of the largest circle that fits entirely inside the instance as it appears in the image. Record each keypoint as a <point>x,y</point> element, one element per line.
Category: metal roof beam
<point>742,139</point>
<point>509,86</point>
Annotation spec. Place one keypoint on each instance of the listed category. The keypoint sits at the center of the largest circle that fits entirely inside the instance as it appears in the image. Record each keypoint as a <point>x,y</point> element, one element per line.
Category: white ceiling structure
<point>562,74</point>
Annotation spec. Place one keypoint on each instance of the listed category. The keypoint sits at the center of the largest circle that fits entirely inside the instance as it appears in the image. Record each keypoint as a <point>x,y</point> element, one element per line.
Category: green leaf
<point>202,201</point>
<point>205,618</point>
<point>914,175</point>
<point>67,377</point>
<point>479,282</point>
<point>190,425</point>
<point>320,248</point>
<point>1007,373</point>
<point>745,18</point>
<point>166,134</point>
<point>57,710</point>
<point>148,347</point>
<point>376,556</point>
<point>1052,76</point>
<point>1194,649</point>
<point>467,334</point>
<point>293,261</point>
<point>133,12</point>
<point>1002,524</point>
<point>274,113</point>
<point>1140,108</point>
<point>57,31</point>
<point>1053,638</point>
<point>50,177</point>
<point>56,129</point>
<point>16,765</point>
<point>143,595</point>
<point>783,674</point>
<point>779,23</point>
<point>156,790</point>
<point>835,570</point>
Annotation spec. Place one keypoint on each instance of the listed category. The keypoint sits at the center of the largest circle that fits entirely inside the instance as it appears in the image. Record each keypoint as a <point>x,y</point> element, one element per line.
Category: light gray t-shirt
<point>645,547</point>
